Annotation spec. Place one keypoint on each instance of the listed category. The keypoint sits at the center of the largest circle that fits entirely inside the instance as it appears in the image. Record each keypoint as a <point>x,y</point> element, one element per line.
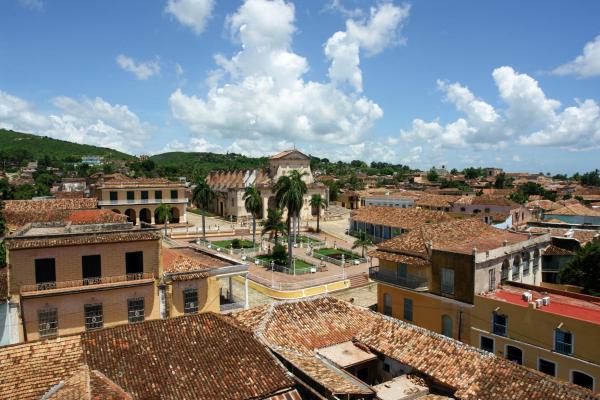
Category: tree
<point>317,201</point>
<point>362,241</point>
<point>202,197</point>
<point>289,193</point>
<point>502,181</point>
<point>583,269</point>
<point>253,203</point>
<point>273,225</point>
<point>432,175</point>
<point>591,178</point>
<point>164,213</point>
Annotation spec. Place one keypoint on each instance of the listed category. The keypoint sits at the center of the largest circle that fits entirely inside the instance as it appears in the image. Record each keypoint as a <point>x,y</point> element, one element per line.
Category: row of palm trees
<point>289,194</point>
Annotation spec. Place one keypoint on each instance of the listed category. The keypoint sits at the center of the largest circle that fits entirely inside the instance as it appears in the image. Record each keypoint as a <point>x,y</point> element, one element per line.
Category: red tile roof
<point>396,217</point>
<point>189,260</point>
<point>51,204</point>
<point>575,209</point>
<point>553,250</point>
<point>295,329</point>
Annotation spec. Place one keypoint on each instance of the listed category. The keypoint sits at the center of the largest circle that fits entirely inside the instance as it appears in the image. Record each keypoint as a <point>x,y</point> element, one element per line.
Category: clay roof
<point>295,329</point>
<point>17,219</point>
<point>575,209</point>
<point>29,370</point>
<point>50,204</point>
<point>546,205</point>
<point>30,242</point>
<point>553,250</point>
<point>405,218</point>
<point>86,384</point>
<point>459,236</point>
<point>69,195</point>
<point>581,235</point>
<point>487,200</point>
<point>405,194</point>
<point>286,153</point>
<point>436,200</point>
<point>189,260</point>
<point>235,179</point>
<point>205,357</point>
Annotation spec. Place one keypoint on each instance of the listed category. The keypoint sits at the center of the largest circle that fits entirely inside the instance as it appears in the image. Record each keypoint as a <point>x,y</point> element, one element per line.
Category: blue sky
<point>512,84</point>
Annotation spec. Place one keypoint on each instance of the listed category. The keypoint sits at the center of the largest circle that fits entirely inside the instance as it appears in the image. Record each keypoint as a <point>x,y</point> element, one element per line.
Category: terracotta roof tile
<point>575,209</point>
<point>16,243</point>
<point>553,250</point>
<point>436,201</point>
<point>50,204</point>
<point>236,178</point>
<point>487,200</point>
<point>405,218</point>
<point>189,260</point>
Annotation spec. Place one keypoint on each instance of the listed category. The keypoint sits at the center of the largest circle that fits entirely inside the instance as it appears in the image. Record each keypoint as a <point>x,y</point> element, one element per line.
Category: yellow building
<point>140,198</point>
<point>429,275</point>
<point>549,330</point>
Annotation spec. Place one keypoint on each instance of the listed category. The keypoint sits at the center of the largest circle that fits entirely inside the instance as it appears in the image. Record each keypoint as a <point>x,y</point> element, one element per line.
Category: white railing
<point>88,282</point>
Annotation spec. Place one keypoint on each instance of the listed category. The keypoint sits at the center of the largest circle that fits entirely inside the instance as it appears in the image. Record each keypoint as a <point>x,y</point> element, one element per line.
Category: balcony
<point>141,202</point>
<point>408,281</point>
<point>86,284</point>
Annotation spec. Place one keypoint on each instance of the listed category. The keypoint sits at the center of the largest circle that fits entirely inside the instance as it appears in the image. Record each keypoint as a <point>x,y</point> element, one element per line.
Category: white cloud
<point>536,118</point>
<point>414,156</point>
<point>585,65</point>
<point>372,36</point>
<point>516,158</point>
<point>265,98</point>
<point>191,13</point>
<point>336,5</point>
<point>195,145</point>
<point>142,70</point>
<point>90,121</point>
<point>35,5</point>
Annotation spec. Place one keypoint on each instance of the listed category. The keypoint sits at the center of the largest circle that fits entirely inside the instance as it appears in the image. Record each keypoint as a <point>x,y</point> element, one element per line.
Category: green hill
<point>187,162</point>
<point>40,146</point>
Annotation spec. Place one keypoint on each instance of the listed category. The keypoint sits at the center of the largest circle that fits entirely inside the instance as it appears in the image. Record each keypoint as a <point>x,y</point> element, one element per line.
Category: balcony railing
<point>408,281</point>
<point>564,348</point>
<point>88,282</point>
<point>141,201</point>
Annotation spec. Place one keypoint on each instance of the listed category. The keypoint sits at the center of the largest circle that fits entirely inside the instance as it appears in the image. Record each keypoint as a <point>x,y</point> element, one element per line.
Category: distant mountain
<point>39,146</point>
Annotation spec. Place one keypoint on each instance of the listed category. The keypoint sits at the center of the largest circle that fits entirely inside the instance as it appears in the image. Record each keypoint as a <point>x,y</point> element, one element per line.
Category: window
<point>93,316</point>
<point>48,322</point>
<point>581,379</point>
<point>447,281</point>
<point>516,269</point>
<point>91,269</point>
<point>563,342</point>
<point>387,304</point>
<point>514,354</point>
<point>486,210</point>
<point>174,194</point>
<point>401,271</point>
<point>130,195</point>
<point>547,367</point>
<point>144,195</point>
<point>486,344</point>
<point>134,264</point>
<point>408,309</point>
<point>446,325</point>
<point>135,309</point>
<point>500,323</point>
<point>113,196</point>
<point>462,209</point>
<point>45,273</point>
<point>492,279</point>
<point>158,194</point>
<point>190,301</point>
<point>504,273</point>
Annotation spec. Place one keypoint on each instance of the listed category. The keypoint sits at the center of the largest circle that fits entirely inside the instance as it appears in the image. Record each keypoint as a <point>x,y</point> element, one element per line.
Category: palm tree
<point>202,197</point>
<point>362,241</point>
<point>273,225</point>
<point>318,201</point>
<point>253,203</point>
<point>289,193</point>
<point>164,213</point>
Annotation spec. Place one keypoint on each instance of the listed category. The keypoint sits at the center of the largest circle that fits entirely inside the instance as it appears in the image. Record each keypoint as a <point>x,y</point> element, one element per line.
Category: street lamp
<point>343,269</point>
<point>272,273</point>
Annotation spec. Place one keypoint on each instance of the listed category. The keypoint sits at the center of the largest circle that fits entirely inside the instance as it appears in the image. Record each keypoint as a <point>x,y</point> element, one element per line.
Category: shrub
<point>236,243</point>
<point>279,254</point>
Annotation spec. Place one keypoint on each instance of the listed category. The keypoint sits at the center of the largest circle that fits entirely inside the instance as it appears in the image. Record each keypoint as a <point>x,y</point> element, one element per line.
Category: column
<point>230,295</point>
<point>183,217</point>
<point>246,304</point>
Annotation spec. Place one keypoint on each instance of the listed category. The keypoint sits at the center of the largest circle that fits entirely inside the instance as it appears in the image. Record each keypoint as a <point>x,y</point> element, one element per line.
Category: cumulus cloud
<point>529,115</point>
<point>193,14</point>
<point>142,70</point>
<point>264,97</point>
<point>89,121</point>
<point>35,5</point>
<point>585,65</point>
<point>371,35</point>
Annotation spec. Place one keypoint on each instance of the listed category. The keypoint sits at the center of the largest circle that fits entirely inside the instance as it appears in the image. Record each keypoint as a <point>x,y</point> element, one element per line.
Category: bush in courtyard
<point>236,243</point>
<point>279,254</point>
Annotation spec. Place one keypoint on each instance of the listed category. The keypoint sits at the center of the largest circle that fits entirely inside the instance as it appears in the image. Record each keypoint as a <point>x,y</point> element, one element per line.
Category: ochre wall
<point>208,295</point>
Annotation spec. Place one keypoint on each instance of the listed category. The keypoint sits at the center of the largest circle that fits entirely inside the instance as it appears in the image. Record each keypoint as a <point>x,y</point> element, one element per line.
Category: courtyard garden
<point>336,254</point>
<point>233,243</point>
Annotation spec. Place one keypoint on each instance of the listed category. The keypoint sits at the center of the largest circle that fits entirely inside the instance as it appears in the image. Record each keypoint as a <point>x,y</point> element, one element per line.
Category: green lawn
<point>302,239</point>
<point>246,244</point>
<point>300,264</point>
<point>337,253</point>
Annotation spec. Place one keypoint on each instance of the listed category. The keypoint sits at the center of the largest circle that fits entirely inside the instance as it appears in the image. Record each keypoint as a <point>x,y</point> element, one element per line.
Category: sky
<point>511,84</point>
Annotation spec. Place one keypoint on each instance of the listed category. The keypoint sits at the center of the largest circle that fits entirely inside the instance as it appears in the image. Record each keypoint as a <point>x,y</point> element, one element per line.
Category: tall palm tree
<point>273,225</point>
<point>201,197</point>
<point>253,203</point>
<point>289,193</point>
<point>362,241</point>
<point>318,201</point>
<point>164,212</point>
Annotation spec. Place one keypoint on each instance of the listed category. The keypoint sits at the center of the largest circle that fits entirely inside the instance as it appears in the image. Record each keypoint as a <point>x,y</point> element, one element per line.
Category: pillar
<point>230,295</point>
<point>246,303</point>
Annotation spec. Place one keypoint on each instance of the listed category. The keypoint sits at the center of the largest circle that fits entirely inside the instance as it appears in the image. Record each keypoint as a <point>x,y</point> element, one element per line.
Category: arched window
<point>536,260</point>
<point>582,379</point>
<point>514,354</point>
<point>505,268</point>
<point>525,263</point>
<point>446,325</point>
<point>516,269</point>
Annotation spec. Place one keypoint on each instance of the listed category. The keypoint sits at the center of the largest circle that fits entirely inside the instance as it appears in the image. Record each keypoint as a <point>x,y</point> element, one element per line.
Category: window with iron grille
<point>408,309</point>
<point>190,301</point>
<point>563,342</point>
<point>500,323</point>
<point>135,309</point>
<point>48,322</point>
<point>93,316</point>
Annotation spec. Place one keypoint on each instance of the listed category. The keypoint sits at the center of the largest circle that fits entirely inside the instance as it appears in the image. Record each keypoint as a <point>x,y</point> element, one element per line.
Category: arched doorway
<point>505,268</point>
<point>516,269</point>
<point>175,215</point>
<point>130,212</point>
<point>145,216</point>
